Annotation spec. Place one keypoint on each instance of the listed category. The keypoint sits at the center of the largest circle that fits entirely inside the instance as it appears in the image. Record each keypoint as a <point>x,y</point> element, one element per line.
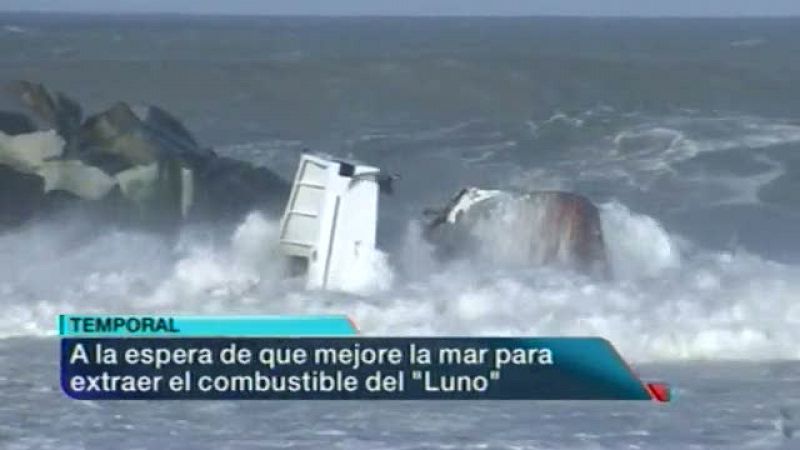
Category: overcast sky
<point>423,7</point>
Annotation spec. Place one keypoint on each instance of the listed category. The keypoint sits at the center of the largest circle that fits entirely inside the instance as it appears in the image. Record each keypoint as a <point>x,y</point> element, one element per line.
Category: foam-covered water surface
<point>684,133</point>
<point>668,300</point>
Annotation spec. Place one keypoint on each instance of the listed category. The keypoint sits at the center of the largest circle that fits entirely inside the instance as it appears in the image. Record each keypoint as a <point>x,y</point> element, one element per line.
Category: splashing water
<point>668,300</point>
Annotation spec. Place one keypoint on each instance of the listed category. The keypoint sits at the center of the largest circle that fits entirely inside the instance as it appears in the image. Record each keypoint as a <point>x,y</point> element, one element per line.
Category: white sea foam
<point>14,29</point>
<point>681,138</point>
<point>664,305</point>
<point>669,299</point>
<point>562,118</point>
<point>647,154</point>
<point>638,247</point>
<point>749,43</point>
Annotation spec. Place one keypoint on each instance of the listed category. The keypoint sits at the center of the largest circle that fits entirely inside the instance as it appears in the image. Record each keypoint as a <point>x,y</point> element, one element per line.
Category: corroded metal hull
<point>521,229</point>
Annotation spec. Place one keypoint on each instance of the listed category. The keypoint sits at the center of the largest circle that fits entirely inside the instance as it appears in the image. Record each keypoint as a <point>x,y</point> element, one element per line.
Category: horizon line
<point>390,15</point>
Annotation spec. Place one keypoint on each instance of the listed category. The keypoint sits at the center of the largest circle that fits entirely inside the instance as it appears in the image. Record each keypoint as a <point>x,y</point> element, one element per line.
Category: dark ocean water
<point>686,133</point>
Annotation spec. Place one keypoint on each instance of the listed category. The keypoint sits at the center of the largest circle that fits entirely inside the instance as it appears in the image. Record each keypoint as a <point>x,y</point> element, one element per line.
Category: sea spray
<point>637,245</point>
<point>672,302</point>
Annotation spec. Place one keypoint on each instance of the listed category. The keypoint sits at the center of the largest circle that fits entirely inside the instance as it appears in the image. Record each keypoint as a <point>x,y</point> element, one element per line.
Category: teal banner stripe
<point>199,326</point>
<point>511,369</point>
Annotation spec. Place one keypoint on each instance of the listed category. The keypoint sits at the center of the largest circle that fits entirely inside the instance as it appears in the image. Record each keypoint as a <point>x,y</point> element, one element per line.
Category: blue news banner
<point>303,358</point>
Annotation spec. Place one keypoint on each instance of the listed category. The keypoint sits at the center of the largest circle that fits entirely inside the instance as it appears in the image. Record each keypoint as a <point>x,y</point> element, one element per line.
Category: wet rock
<point>228,189</point>
<point>141,166</point>
<point>12,123</point>
<point>117,137</point>
<point>57,111</point>
<point>21,196</point>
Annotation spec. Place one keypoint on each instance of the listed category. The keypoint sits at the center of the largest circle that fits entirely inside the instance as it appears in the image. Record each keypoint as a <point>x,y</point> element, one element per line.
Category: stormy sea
<point>684,132</point>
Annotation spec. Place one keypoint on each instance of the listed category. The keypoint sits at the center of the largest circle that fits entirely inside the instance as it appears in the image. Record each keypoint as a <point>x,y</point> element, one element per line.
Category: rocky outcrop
<point>21,196</point>
<point>56,111</point>
<point>138,166</point>
<point>521,229</point>
<point>12,123</point>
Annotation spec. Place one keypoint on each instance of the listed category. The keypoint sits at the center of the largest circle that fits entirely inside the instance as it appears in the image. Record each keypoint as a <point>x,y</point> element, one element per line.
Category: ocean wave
<point>14,29</point>
<point>690,161</point>
<point>669,300</point>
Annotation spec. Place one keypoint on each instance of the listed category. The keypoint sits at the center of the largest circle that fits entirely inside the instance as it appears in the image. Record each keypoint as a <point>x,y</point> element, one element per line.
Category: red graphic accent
<point>659,392</point>
<point>353,325</point>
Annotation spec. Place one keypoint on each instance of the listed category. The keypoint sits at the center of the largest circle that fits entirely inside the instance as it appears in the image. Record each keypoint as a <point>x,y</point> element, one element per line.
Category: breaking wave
<point>669,300</point>
<point>671,297</point>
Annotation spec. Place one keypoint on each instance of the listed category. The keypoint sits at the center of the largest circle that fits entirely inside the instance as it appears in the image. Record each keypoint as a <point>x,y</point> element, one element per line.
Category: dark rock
<point>227,189</point>
<point>118,139</point>
<point>59,111</point>
<point>13,123</point>
<point>156,174</point>
<point>174,135</point>
<point>162,209</point>
<point>169,126</point>
<point>58,201</point>
<point>21,196</point>
<point>36,98</point>
<point>110,163</point>
<point>117,136</point>
<point>69,118</point>
<point>172,138</point>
